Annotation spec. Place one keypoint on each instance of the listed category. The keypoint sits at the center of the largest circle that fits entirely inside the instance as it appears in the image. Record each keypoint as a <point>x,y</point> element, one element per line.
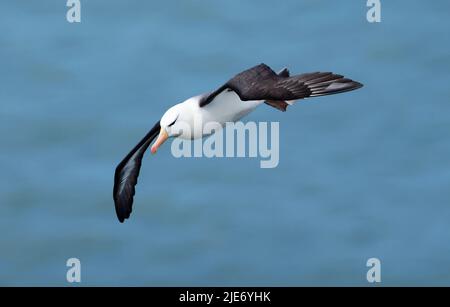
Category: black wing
<point>127,172</point>
<point>262,83</point>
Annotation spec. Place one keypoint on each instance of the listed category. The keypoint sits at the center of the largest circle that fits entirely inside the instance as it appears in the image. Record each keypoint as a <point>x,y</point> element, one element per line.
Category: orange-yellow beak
<point>162,137</point>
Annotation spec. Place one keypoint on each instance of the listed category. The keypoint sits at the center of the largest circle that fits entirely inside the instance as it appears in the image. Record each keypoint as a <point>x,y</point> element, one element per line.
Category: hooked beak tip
<point>162,137</point>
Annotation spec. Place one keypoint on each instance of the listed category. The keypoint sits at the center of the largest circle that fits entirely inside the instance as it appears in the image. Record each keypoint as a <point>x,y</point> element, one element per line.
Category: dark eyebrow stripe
<point>174,121</point>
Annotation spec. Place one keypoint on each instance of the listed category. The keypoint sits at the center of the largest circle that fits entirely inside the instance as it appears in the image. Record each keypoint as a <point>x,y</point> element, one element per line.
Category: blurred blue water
<point>363,174</point>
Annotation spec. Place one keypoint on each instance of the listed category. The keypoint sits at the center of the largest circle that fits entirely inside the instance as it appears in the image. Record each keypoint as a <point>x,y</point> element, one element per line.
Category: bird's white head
<point>168,123</point>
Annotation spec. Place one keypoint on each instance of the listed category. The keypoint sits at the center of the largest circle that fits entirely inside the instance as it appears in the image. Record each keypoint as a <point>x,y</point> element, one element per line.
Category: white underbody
<point>226,107</point>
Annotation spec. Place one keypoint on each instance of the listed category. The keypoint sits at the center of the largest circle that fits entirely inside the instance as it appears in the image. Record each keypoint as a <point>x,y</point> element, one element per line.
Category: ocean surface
<point>361,175</point>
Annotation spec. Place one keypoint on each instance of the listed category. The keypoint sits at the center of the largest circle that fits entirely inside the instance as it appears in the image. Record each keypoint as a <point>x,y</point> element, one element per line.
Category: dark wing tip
<point>123,193</point>
<point>345,85</point>
<point>357,85</point>
<point>320,84</point>
<point>127,173</point>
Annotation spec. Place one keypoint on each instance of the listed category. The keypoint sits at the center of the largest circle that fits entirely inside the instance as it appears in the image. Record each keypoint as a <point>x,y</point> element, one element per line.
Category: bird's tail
<point>280,104</point>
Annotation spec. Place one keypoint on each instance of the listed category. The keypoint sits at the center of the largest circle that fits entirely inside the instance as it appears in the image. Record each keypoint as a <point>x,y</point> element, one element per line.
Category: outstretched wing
<point>127,172</point>
<point>262,83</point>
<point>247,79</point>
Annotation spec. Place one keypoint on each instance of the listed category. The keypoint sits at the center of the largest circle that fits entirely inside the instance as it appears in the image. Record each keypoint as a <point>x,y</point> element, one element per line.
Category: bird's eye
<point>173,122</point>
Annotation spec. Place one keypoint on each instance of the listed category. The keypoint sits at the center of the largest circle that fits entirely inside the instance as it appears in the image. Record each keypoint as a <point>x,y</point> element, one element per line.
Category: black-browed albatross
<point>229,103</point>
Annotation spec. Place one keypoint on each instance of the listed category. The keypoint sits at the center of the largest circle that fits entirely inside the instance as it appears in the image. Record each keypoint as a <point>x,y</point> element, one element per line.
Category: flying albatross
<point>229,103</point>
